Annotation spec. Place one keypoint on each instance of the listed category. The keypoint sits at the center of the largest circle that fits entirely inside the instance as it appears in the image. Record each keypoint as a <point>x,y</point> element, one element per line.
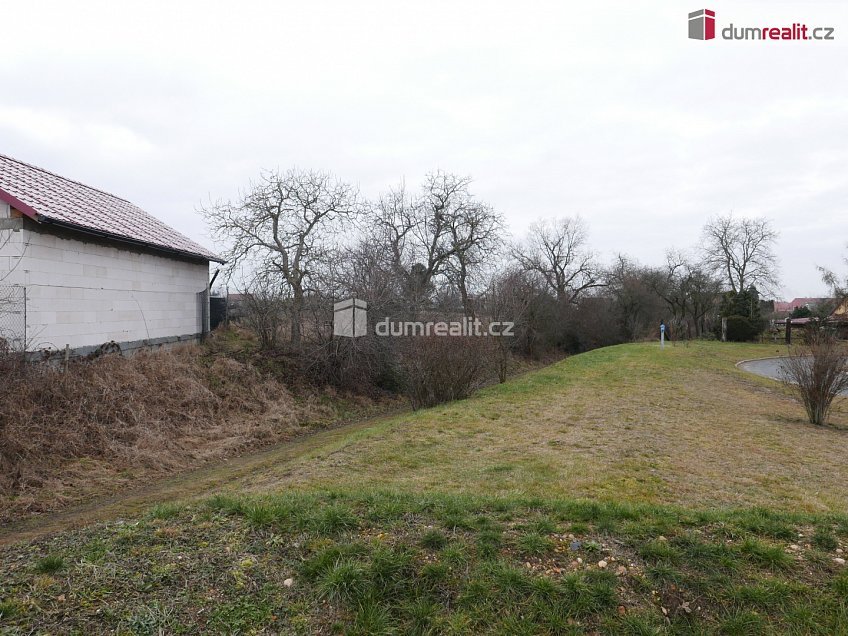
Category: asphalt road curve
<point>768,368</point>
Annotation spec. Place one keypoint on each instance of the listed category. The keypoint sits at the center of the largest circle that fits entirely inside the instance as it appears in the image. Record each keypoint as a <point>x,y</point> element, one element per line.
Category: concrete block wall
<point>83,294</point>
<point>12,302</point>
<point>11,244</point>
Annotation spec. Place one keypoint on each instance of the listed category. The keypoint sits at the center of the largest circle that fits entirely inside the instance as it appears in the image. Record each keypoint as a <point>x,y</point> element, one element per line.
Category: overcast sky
<point>606,110</point>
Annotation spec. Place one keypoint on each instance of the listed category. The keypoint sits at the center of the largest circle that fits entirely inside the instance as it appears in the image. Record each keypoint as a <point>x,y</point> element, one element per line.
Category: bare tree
<point>285,223</point>
<point>391,237</point>
<point>689,289</point>
<point>415,234</point>
<point>838,287</point>
<point>443,235</point>
<point>365,271</point>
<point>637,305</point>
<point>668,283</point>
<point>475,235</point>
<point>556,251</point>
<point>818,375</point>
<point>742,251</point>
<point>444,197</point>
<point>703,289</point>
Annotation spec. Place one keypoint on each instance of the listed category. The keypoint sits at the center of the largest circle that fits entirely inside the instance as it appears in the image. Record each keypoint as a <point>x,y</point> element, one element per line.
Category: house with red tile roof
<point>798,303</point>
<point>80,268</point>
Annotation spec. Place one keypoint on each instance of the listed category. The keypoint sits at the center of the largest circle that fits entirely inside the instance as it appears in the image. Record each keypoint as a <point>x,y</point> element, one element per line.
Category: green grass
<point>760,553</point>
<point>624,424</point>
<point>824,539</point>
<point>433,540</point>
<point>534,544</point>
<point>50,564</point>
<point>625,491</point>
<point>383,562</point>
<point>165,511</point>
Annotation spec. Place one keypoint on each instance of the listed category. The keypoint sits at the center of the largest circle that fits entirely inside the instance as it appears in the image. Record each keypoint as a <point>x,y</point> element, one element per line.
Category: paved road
<point>768,368</point>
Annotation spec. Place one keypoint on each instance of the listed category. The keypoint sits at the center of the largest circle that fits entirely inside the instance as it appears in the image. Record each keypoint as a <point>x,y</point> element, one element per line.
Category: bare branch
<point>556,251</point>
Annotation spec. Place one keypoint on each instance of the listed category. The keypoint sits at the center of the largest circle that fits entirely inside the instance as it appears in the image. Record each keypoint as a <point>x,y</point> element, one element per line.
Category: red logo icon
<point>702,25</point>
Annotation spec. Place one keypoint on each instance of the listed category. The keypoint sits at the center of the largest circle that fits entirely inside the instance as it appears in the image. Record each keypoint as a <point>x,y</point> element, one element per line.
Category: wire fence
<point>13,317</point>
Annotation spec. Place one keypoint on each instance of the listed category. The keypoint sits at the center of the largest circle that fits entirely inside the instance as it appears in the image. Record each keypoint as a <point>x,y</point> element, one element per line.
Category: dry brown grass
<point>111,421</point>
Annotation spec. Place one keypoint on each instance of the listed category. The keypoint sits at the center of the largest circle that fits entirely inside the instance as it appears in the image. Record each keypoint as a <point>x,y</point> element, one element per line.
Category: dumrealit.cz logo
<point>350,320</point>
<point>702,26</point>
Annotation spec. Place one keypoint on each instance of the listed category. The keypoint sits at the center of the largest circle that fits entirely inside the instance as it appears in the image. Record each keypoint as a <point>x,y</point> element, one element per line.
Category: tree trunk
<point>463,290</point>
<point>296,316</point>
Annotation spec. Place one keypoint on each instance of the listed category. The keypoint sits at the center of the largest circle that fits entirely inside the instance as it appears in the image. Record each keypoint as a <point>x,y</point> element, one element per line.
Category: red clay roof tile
<point>46,196</point>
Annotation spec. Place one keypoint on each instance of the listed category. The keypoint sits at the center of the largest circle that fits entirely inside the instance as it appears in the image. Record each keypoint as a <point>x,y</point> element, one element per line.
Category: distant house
<point>797,303</point>
<point>80,268</point>
<point>841,311</point>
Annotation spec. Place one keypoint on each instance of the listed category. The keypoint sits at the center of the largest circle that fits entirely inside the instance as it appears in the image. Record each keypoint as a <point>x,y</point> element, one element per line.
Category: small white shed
<point>80,268</point>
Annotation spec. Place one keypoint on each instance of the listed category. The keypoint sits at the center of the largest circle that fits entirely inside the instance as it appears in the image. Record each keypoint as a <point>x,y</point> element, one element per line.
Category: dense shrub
<point>742,329</point>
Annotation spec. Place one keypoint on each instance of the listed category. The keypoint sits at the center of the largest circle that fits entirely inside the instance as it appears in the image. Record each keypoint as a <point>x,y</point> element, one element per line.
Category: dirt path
<point>194,484</point>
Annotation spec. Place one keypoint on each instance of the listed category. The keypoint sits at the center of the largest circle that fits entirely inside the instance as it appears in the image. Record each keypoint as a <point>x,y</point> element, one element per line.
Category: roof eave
<point>40,218</point>
<point>27,210</point>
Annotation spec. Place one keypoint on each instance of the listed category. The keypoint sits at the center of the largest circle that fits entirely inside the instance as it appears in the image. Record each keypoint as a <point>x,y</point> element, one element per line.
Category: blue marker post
<point>662,334</point>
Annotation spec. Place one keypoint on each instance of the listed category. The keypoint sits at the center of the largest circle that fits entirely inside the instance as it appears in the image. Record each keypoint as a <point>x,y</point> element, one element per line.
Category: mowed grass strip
<point>629,423</point>
<point>382,563</point>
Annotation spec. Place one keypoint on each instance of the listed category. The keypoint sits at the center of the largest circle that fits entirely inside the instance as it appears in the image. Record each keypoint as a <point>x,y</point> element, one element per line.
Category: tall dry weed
<point>156,411</point>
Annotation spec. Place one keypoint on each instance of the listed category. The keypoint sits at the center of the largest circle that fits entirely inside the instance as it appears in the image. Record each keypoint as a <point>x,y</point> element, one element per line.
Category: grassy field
<point>431,564</point>
<point>628,490</point>
<point>629,423</point>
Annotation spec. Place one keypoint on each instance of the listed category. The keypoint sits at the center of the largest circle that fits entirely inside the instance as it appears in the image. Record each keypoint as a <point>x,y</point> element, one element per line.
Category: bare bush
<point>441,369</point>
<point>367,366</point>
<point>818,374</point>
<point>265,309</point>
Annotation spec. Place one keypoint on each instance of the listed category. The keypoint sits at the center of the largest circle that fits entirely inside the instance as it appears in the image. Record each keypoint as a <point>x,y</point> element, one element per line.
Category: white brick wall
<point>10,246</point>
<point>84,294</point>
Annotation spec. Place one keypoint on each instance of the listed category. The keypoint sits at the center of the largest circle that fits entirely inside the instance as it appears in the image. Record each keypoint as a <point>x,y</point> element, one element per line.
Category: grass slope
<point>628,423</point>
<point>625,491</point>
